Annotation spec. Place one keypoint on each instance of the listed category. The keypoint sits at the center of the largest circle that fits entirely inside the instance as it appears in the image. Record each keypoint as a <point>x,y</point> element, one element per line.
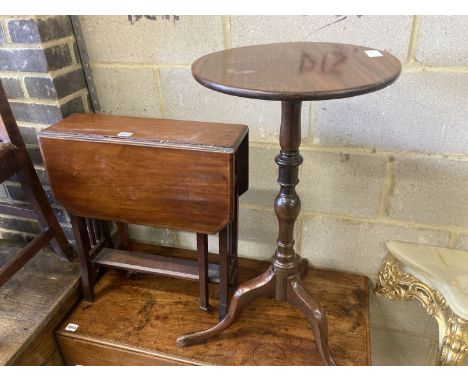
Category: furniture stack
<point>188,176</point>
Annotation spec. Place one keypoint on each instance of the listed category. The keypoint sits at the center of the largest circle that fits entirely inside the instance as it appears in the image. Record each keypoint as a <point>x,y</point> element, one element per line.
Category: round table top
<point>297,71</point>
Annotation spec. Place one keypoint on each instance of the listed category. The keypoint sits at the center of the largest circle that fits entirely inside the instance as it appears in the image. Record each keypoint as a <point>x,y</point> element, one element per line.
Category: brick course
<point>37,30</point>
<point>2,35</point>
<point>58,56</point>
<point>33,112</point>
<point>23,31</point>
<point>23,60</point>
<point>55,88</point>
<point>12,87</point>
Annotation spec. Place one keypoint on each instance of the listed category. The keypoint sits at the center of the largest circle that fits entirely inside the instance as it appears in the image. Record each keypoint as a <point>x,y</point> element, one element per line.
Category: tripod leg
<point>301,299</point>
<point>263,285</point>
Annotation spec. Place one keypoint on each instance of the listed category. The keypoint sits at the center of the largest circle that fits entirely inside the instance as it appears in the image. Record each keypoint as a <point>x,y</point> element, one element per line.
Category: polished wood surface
<point>131,180</point>
<point>134,320</point>
<point>203,270</point>
<point>32,304</point>
<point>291,73</point>
<point>150,131</point>
<point>296,71</point>
<point>165,263</point>
<point>189,190</point>
<point>163,173</point>
<point>282,280</point>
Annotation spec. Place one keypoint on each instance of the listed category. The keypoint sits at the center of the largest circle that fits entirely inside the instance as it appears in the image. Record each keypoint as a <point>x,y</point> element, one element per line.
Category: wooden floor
<point>135,320</point>
<point>32,304</point>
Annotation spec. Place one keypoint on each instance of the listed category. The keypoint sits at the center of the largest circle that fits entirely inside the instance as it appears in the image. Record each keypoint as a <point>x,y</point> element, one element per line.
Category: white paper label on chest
<point>124,134</point>
<point>71,327</point>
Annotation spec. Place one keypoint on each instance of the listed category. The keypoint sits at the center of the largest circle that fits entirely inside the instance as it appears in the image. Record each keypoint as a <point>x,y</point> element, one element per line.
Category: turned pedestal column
<point>290,73</point>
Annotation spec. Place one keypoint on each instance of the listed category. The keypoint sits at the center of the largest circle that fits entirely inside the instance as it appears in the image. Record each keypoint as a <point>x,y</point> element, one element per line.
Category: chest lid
<point>203,136</point>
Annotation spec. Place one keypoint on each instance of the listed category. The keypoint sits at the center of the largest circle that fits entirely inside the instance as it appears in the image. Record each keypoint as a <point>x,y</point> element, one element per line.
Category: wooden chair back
<point>14,159</point>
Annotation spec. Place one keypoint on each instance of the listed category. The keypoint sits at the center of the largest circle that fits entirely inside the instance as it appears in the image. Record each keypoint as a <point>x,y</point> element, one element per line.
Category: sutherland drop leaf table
<point>290,73</point>
<point>182,175</point>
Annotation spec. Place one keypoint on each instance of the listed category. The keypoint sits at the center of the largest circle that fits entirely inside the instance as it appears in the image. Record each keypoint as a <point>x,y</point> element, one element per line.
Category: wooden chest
<point>119,329</point>
<point>164,173</point>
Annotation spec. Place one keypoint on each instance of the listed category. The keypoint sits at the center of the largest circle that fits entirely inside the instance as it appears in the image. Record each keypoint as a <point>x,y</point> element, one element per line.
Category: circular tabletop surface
<point>297,71</point>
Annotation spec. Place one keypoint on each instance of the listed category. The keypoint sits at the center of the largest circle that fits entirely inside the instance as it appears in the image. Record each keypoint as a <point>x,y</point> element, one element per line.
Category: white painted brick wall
<point>341,183</point>
<point>115,39</point>
<point>433,191</point>
<point>332,182</point>
<point>187,99</point>
<point>119,91</point>
<point>422,111</point>
<point>390,33</point>
<point>443,41</point>
<point>354,246</point>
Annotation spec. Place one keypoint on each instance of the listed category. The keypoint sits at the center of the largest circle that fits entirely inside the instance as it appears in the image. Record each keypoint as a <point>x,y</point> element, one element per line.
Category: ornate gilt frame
<point>398,285</point>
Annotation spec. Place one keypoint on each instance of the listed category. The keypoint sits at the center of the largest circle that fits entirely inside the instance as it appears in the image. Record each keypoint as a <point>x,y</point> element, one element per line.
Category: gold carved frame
<point>398,285</point>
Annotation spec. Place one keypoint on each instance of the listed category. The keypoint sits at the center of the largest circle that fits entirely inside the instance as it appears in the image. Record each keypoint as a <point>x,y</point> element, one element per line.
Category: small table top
<point>204,136</point>
<point>297,71</point>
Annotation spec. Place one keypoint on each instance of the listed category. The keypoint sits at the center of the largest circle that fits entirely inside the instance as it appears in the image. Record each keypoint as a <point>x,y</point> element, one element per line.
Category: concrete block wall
<point>41,72</point>
<point>383,166</point>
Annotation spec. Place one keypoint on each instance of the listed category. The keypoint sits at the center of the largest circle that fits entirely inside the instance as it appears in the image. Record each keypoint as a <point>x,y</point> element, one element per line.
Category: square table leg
<point>202,251</point>
<point>83,245</point>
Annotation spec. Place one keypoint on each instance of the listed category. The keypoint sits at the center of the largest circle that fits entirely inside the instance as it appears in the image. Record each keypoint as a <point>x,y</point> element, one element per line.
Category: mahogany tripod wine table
<point>290,73</point>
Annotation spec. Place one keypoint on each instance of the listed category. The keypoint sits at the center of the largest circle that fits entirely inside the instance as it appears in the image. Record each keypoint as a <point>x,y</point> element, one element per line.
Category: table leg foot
<point>260,286</point>
<point>301,299</point>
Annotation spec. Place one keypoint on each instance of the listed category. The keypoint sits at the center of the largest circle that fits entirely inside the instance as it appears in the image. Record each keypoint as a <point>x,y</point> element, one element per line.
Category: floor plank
<point>44,288</point>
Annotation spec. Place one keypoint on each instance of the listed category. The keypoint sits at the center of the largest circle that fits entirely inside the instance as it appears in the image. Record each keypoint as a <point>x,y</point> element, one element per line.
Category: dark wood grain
<point>136,180</point>
<point>291,73</point>
<point>188,190</point>
<point>135,320</point>
<point>284,275</point>
<point>296,71</point>
<point>202,254</point>
<point>163,173</point>
<point>171,264</point>
<point>87,352</point>
<point>151,131</point>
<point>223,271</point>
